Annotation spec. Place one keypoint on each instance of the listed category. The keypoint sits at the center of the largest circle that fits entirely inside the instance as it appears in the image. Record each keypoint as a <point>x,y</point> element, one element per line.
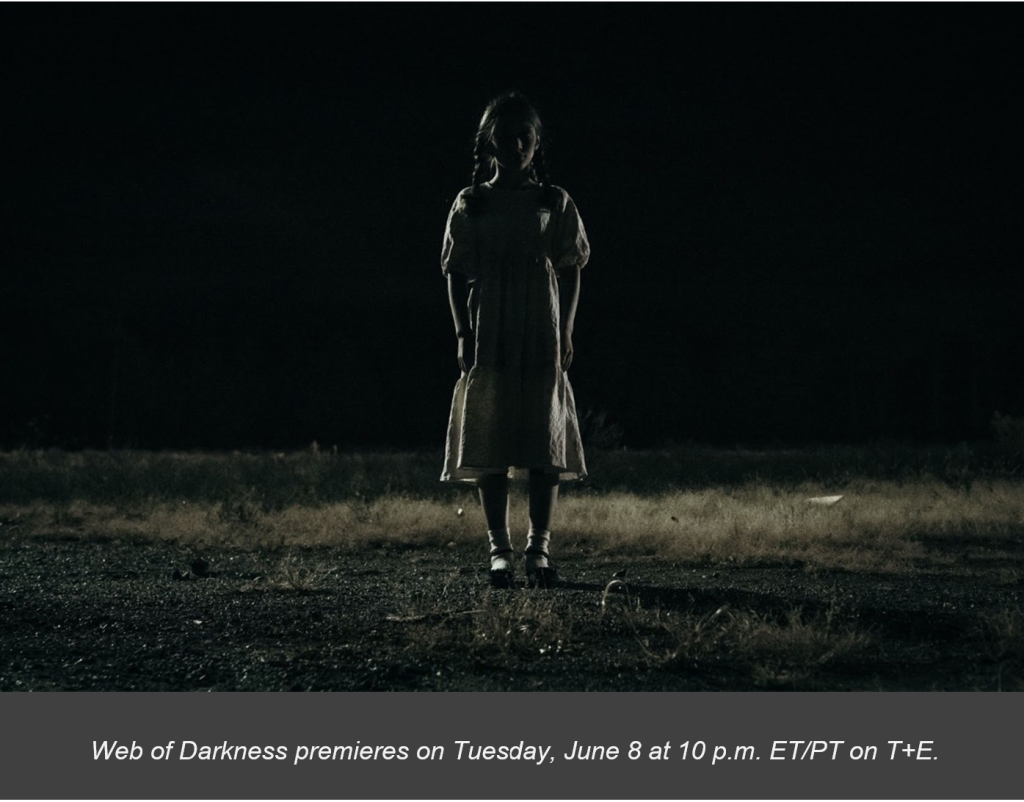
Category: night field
<point>227,354</point>
<point>683,569</point>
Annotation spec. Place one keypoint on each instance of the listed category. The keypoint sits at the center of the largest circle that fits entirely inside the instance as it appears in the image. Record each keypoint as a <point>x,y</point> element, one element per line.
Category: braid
<point>482,161</point>
<point>539,165</point>
<point>473,200</point>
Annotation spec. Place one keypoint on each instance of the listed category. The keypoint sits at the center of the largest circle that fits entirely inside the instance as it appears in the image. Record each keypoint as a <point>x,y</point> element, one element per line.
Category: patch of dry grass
<point>520,624</point>
<point>759,514</point>
<point>1002,633</point>
<point>292,574</point>
<point>775,651</point>
<point>398,520</point>
<point>876,526</point>
<point>499,630</point>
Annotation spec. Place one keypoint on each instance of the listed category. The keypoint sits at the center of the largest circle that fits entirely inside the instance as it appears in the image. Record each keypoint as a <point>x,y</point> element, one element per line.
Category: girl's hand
<point>465,353</point>
<point>458,297</point>
<point>568,297</point>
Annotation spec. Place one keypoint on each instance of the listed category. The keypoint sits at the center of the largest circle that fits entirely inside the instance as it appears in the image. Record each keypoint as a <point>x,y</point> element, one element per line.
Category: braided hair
<point>513,104</point>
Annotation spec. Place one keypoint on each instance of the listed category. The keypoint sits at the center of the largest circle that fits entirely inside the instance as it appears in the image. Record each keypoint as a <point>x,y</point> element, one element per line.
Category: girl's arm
<point>568,298</point>
<point>458,297</point>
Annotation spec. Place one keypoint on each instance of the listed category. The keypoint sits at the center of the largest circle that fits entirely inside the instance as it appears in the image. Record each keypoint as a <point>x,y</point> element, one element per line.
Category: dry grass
<point>521,624</point>
<point>499,630</point>
<point>1003,634</point>
<point>774,651</point>
<point>895,515</point>
<point>878,526</point>
<point>291,574</point>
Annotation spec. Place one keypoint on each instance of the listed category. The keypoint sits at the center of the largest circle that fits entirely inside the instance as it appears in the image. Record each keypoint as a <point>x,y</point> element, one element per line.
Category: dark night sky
<point>223,222</point>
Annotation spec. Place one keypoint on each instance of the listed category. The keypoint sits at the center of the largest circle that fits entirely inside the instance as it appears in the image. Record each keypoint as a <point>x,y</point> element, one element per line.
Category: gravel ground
<point>122,616</point>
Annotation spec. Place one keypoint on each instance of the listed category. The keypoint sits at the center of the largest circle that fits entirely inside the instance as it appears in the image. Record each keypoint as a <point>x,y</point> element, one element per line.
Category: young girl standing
<point>513,250</point>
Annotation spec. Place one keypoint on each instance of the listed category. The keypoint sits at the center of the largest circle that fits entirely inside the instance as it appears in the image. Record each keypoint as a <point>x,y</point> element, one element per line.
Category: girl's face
<point>513,143</point>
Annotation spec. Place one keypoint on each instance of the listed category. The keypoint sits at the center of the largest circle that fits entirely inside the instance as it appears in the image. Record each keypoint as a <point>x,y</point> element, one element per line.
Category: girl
<point>513,250</point>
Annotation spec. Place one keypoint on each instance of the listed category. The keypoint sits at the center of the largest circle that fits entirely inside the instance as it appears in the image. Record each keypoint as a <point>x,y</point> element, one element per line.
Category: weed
<point>662,639</point>
<point>517,625</point>
<point>293,573</point>
<point>774,651</point>
<point>598,432</point>
<point>793,650</point>
<point>67,515</point>
<point>242,511</point>
<point>1002,634</point>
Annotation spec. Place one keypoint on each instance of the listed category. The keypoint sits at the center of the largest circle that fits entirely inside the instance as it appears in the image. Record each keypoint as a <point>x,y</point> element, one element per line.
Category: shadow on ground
<point>120,616</point>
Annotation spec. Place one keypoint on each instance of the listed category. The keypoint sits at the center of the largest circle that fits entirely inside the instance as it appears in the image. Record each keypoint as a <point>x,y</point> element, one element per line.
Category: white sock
<point>537,549</point>
<point>501,549</point>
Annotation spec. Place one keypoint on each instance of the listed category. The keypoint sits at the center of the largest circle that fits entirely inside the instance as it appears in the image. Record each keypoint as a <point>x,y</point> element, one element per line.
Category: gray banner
<point>513,746</point>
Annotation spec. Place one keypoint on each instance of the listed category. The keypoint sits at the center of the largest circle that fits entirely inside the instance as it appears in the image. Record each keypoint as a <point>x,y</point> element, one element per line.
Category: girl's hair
<point>507,104</point>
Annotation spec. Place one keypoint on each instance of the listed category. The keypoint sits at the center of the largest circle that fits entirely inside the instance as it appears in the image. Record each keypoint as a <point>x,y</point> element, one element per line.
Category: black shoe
<point>502,577</point>
<point>543,577</point>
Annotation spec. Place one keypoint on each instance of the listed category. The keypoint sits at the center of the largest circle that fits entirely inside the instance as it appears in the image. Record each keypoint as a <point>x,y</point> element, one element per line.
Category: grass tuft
<point>776,651</point>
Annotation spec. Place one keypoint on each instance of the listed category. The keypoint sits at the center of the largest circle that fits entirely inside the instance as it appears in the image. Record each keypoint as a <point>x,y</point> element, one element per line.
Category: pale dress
<point>515,407</point>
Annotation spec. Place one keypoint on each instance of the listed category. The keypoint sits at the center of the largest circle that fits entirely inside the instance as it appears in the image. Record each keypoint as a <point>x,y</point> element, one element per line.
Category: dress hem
<point>473,475</point>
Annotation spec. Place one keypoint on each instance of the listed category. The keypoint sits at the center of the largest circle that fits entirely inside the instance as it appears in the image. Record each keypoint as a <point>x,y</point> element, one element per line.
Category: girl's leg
<point>543,498</point>
<point>493,490</point>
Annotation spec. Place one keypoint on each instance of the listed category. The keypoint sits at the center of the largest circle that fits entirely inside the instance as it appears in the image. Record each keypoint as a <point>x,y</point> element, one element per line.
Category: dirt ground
<point>123,616</point>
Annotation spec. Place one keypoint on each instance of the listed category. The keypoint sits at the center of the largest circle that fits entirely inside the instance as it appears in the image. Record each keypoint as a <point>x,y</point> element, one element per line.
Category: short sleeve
<point>571,247</point>
<point>458,253</point>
